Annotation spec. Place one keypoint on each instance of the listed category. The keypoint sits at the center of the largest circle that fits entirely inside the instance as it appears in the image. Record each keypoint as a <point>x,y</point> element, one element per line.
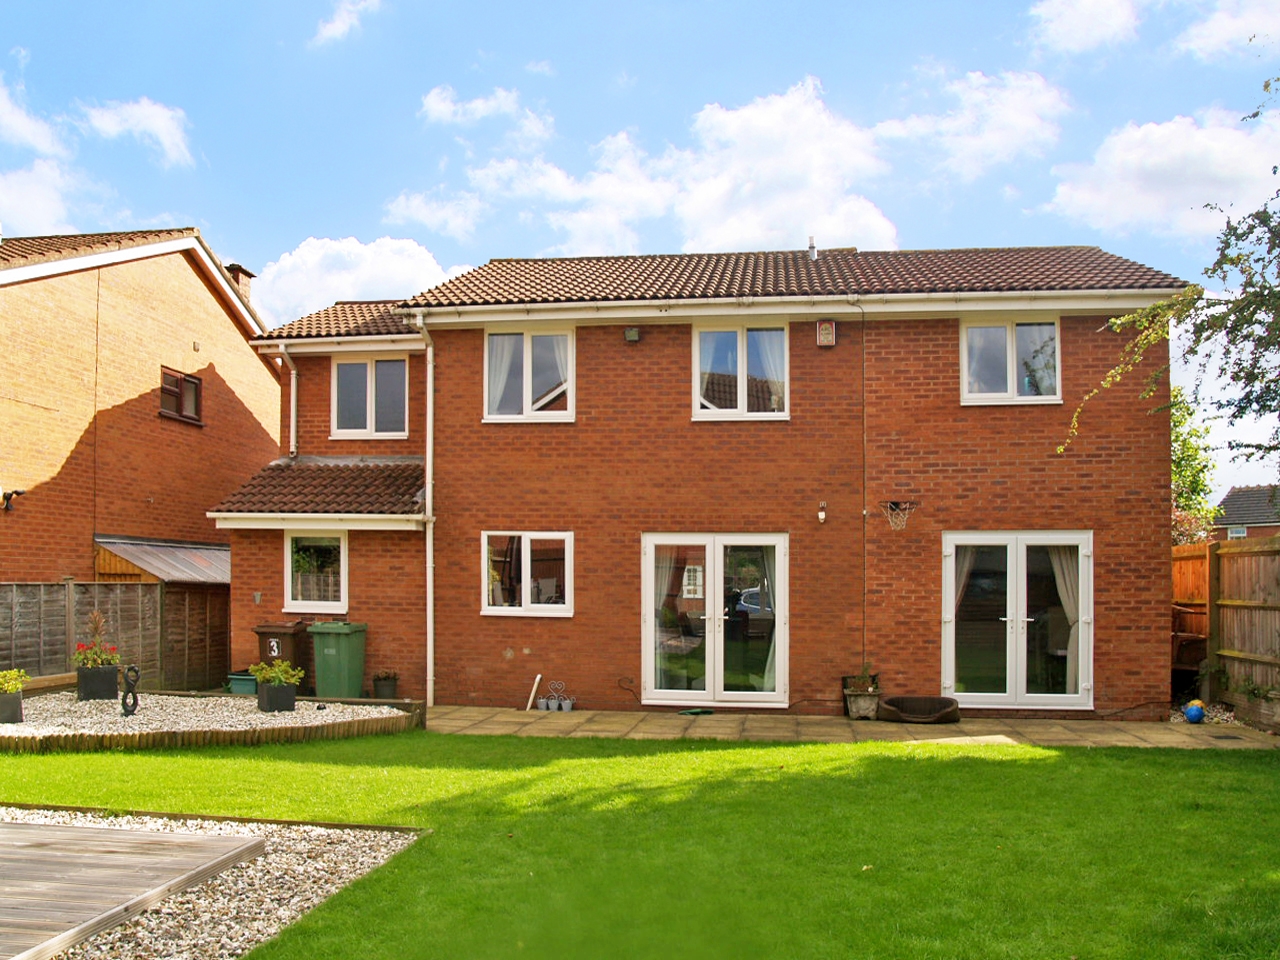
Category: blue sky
<point>347,149</point>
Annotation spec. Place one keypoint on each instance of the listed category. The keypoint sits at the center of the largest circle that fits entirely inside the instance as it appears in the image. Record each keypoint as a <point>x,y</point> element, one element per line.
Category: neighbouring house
<point>1248,512</point>
<point>132,401</point>
<point>727,481</point>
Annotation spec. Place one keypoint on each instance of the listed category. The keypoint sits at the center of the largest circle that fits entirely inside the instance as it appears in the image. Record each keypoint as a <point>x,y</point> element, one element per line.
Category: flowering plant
<point>12,681</point>
<point>97,652</point>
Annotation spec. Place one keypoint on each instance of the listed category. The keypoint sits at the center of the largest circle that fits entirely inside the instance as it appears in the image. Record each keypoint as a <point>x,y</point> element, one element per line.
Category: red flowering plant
<point>97,652</point>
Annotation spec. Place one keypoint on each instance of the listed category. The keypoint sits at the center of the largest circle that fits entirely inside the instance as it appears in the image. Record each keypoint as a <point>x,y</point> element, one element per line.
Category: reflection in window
<point>742,371</point>
<point>528,374</point>
<point>364,385</point>
<point>316,570</point>
<point>180,395</point>
<point>1009,361</point>
<point>528,572</point>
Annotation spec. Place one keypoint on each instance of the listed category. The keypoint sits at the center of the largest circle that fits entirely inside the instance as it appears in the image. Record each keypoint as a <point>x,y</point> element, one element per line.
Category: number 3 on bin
<point>273,647</point>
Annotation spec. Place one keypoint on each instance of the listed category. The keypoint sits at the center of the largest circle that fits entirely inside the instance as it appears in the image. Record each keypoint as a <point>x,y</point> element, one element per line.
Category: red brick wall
<point>634,462</point>
<point>82,430</point>
<point>387,581</point>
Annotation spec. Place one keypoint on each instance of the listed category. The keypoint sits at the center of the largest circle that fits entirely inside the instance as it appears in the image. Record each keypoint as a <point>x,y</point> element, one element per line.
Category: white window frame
<point>741,413</point>
<point>527,607</point>
<point>1237,533</point>
<point>367,432</point>
<point>315,606</point>
<point>1016,697</point>
<point>1009,396</point>
<point>715,695</point>
<point>528,414</point>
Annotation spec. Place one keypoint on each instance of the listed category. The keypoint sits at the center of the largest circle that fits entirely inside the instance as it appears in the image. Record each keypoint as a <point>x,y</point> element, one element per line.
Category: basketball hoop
<point>897,511</point>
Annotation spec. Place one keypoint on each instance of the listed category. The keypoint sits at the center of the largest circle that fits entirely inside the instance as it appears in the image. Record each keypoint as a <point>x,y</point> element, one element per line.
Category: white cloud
<point>441,105</point>
<point>321,271</point>
<point>1159,176</point>
<point>765,175</point>
<point>346,17</point>
<point>455,216</point>
<point>1078,26</point>
<point>21,129</point>
<point>1231,26</point>
<point>998,120</point>
<point>34,201</point>
<point>154,123</point>
<point>543,67</point>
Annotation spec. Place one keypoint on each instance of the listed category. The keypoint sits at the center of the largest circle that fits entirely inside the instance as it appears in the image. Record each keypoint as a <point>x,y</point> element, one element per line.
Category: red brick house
<point>131,400</point>
<point>1248,512</point>
<point>669,480</point>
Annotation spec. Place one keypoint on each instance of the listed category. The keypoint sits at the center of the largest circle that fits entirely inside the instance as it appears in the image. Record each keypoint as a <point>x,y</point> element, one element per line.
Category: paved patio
<point>786,728</point>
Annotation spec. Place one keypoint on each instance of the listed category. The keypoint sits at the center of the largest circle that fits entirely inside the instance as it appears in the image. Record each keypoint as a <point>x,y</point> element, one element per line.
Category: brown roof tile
<point>838,272</point>
<point>347,318</point>
<point>25,251</point>
<point>318,486</point>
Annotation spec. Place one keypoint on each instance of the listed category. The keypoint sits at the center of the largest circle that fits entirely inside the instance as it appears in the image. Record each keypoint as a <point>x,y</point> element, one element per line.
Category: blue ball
<point>1193,714</point>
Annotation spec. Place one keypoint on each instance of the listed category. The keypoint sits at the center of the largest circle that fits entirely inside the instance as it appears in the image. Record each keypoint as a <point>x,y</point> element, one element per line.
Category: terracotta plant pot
<point>11,707</point>
<point>97,683</point>
<point>277,697</point>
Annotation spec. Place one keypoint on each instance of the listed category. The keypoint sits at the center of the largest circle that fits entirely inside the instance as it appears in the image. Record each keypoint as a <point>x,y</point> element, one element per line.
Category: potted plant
<point>862,694</point>
<point>11,684</point>
<point>97,676</point>
<point>277,685</point>
<point>384,685</point>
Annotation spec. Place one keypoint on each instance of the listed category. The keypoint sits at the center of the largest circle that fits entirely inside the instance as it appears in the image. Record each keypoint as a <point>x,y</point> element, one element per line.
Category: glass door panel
<point>982,619</point>
<point>1051,618</point>
<point>679,617</point>
<point>748,577</point>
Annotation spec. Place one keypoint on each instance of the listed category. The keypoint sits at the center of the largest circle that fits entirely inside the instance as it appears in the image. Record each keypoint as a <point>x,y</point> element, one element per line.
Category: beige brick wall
<point>80,428</point>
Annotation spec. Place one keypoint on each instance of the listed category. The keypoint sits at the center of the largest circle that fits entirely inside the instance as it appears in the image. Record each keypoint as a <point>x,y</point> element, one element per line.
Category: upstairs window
<point>1009,362</point>
<point>528,376</point>
<point>180,395</point>
<point>370,398</point>
<point>740,372</point>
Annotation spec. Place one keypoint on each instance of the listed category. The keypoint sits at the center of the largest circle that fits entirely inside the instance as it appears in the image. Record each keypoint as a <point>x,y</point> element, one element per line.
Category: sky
<point>368,149</point>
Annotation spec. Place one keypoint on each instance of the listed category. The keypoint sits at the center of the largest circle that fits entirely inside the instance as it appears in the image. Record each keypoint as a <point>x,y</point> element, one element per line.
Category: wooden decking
<point>60,885</point>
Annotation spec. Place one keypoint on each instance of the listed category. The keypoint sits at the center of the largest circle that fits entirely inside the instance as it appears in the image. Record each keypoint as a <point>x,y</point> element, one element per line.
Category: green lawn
<point>620,849</point>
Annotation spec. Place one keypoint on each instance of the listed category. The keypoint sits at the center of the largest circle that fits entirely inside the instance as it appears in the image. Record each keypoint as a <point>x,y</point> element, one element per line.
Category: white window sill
<point>529,419</point>
<point>367,435</point>
<point>326,608</point>
<point>720,416</point>
<point>548,611</point>
<point>1008,401</point>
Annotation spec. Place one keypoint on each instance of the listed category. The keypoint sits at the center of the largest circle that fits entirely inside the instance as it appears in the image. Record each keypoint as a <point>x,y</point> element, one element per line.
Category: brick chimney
<point>242,277</point>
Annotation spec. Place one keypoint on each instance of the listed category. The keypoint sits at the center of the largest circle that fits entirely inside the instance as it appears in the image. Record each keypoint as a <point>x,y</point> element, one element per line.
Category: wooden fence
<point>1229,594</point>
<point>178,634</point>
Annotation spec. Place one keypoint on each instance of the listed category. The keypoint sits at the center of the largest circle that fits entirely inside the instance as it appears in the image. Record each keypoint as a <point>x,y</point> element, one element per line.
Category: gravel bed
<point>1213,713</point>
<point>230,914</point>
<point>53,713</point>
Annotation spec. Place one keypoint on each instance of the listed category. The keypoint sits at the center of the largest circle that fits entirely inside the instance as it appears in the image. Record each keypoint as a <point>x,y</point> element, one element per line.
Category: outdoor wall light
<point>631,334</point>
<point>8,497</point>
<point>822,512</point>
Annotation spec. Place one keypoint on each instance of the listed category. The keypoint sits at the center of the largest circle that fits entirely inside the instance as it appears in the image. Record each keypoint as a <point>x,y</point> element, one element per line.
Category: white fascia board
<point>314,521</point>
<point>397,343</point>
<point>93,261</point>
<point>912,305</point>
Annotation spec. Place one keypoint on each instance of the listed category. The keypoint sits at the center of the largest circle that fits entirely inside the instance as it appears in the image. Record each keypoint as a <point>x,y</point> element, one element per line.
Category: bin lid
<point>287,626</point>
<point>337,626</point>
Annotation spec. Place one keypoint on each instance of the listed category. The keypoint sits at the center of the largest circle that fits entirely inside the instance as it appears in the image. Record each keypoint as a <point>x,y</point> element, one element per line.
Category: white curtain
<point>503,348</point>
<point>561,345</point>
<point>965,559</point>
<point>768,602</point>
<point>1066,574</point>
<point>773,356</point>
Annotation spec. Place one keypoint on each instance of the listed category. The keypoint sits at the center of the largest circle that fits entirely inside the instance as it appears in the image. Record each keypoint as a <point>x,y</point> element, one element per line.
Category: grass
<point>631,849</point>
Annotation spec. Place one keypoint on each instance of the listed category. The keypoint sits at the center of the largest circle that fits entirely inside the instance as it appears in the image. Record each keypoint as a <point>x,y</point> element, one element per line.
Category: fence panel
<point>178,635</point>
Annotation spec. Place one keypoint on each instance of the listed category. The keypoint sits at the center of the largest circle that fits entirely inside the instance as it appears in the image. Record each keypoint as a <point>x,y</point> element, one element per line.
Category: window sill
<point>298,607</point>
<point>368,435</point>
<point>721,416</point>
<point>1009,401</point>
<point>558,612</point>
<point>569,418</point>
<point>190,421</point>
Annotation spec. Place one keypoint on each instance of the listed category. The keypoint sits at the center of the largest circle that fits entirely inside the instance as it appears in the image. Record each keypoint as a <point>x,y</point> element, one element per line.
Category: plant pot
<point>384,689</point>
<point>861,705</point>
<point>97,683</point>
<point>277,697</point>
<point>11,707</point>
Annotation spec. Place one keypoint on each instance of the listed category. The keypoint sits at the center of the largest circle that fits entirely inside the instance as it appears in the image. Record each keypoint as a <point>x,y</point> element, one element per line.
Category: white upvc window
<point>528,375</point>
<point>741,372</point>
<point>1010,361</point>
<point>369,398</point>
<point>526,574</point>
<point>1017,618</point>
<point>315,571</point>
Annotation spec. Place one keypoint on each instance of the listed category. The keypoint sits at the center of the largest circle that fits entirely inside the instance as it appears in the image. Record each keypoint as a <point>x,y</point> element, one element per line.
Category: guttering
<point>293,402</point>
<point>915,304</point>
<point>317,521</point>
<point>395,342</point>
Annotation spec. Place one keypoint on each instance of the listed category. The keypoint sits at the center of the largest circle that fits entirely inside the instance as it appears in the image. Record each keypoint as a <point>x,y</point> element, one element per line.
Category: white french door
<point>715,619</point>
<point>1017,618</point>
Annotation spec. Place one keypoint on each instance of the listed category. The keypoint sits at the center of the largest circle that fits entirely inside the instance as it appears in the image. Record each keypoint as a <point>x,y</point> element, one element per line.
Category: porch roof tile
<point>332,486</point>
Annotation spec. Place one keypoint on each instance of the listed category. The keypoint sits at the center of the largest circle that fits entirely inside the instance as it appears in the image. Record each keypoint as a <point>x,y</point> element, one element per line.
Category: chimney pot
<point>241,276</point>
<point>813,251</point>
